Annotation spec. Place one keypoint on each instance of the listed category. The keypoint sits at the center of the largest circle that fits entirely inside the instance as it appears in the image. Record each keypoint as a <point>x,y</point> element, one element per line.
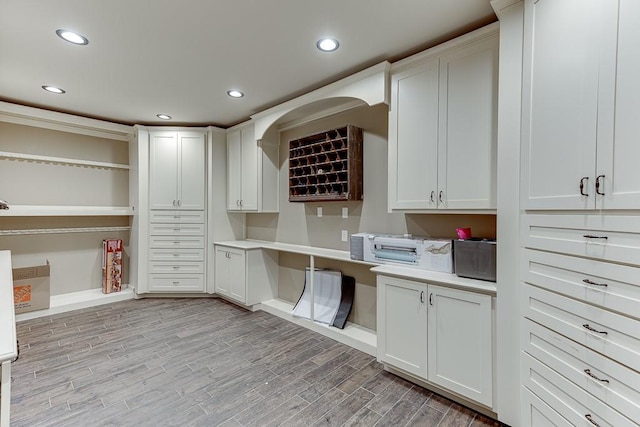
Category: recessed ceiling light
<point>163,116</point>
<point>72,37</point>
<point>328,44</point>
<point>235,93</point>
<point>53,89</point>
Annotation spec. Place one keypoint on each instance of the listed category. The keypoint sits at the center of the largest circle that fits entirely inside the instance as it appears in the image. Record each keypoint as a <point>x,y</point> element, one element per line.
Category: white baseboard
<point>77,300</point>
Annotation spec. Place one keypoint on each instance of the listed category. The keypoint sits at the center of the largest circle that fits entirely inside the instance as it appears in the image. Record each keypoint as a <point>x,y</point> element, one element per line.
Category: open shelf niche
<point>326,166</point>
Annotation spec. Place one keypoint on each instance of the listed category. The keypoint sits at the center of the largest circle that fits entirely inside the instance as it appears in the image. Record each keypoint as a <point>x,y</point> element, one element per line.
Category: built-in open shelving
<point>326,166</point>
<point>45,210</point>
<point>61,161</point>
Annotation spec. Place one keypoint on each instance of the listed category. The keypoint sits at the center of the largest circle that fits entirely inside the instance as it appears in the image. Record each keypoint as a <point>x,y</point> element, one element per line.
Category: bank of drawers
<point>177,251</point>
<point>581,333</point>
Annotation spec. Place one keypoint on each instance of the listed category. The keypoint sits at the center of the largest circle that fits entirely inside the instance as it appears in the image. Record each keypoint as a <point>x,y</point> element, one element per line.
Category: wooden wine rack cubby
<point>326,166</point>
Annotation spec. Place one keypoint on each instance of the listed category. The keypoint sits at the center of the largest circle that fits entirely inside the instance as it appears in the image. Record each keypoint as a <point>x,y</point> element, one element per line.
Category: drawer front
<point>570,401</point>
<point>608,333</point>
<point>536,413</point>
<point>176,255</point>
<point>176,267</point>
<point>177,216</point>
<point>176,283</point>
<point>177,229</point>
<point>610,238</point>
<point>612,286</point>
<point>176,242</point>
<point>614,384</point>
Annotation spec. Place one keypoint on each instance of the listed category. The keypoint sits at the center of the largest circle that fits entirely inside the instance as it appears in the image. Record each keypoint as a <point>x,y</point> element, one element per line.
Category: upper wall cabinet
<point>442,126</point>
<point>252,172</point>
<point>177,170</point>
<point>581,98</point>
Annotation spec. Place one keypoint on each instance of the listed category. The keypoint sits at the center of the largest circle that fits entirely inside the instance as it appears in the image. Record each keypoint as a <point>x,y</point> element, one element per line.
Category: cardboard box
<point>438,255</point>
<point>31,288</point>
<point>111,266</point>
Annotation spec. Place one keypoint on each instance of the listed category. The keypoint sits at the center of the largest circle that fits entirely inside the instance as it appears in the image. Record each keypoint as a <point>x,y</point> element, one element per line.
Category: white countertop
<point>409,273</point>
<point>8,346</point>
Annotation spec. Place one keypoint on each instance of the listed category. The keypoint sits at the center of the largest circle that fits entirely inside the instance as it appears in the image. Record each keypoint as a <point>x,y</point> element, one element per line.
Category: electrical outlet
<point>345,235</point>
<point>345,212</point>
<point>319,211</point>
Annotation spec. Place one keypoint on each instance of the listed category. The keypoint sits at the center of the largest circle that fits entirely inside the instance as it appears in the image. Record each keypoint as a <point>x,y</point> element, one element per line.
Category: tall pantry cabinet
<point>170,215</point>
<point>580,195</point>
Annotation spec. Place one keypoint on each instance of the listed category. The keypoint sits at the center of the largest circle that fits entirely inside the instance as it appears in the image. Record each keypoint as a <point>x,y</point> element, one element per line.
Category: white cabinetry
<point>580,103</point>
<point>438,334</point>
<point>177,170</point>
<point>252,172</point>
<point>442,126</point>
<point>246,276</point>
<point>581,351</point>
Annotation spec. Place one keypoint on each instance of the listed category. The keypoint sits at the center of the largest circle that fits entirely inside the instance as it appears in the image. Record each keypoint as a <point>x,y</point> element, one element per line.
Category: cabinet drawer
<point>610,238</point>
<point>585,279</point>
<point>574,404</point>
<point>608,333</point>
<point>176,283</point>
<point>536,413</point>
<point>176,242</point>
<point>176,254</point>
<point>177,229</point>
<point>614,384</point>
<point>177,216</point>
<point>176,267</point>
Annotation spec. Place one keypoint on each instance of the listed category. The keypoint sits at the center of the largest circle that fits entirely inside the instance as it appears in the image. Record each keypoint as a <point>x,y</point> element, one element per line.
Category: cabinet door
<point>402,325</point>
<point>249,199</point>
<point>560,102</point>
<point>163,170</point>
<point>460,343</point>
<point>234,170</point>
<point>192,170</point>
<point>237,275</point>
<point>221,274</point>
<point>413,138</point>
<point>467,140</point>
<point>618,153</point>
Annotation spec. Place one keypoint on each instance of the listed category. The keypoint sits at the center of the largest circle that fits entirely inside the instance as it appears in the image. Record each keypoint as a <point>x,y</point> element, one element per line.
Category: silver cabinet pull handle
<point>422,296</point>
<point>591,420</point>
<point>589,328</point>
<point>598,185</point>
<point>433,197</point>
<point>588,372</point>
<point>582,193</point>
<point>590,282</point>
<point>431,298</point>
<point>591,236</point>
<point>440,196</point>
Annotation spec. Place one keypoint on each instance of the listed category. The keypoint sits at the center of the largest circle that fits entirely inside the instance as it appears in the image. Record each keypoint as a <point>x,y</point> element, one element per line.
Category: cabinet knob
<point>582,193</point>
<point>598,185</point>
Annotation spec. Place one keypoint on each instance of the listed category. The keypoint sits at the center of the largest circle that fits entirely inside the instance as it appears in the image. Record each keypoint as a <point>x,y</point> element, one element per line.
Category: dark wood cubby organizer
<point>326,166</point>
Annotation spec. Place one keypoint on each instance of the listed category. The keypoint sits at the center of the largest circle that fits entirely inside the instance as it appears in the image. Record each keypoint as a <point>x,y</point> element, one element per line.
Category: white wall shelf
<point>44,210</point>
<point>61,160</point>
<point>17,232</point>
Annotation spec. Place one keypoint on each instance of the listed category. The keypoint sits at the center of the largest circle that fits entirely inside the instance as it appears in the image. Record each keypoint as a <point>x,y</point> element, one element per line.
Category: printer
<point>420,252</point>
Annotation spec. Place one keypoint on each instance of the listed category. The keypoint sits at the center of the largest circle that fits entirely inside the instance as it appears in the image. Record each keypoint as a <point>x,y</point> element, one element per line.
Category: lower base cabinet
<point>246,276</point>
<point>438,334</point>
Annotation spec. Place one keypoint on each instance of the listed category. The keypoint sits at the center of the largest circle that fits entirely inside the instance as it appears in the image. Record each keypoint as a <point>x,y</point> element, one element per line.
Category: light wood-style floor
<point>205,362</point>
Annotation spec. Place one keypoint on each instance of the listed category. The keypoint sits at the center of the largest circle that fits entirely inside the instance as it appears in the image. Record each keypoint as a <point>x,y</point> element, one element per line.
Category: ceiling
<point>146,57</point>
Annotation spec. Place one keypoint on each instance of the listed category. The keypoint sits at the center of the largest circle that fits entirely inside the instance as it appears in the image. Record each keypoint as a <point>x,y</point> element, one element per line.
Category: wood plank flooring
<point>205,362</point>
